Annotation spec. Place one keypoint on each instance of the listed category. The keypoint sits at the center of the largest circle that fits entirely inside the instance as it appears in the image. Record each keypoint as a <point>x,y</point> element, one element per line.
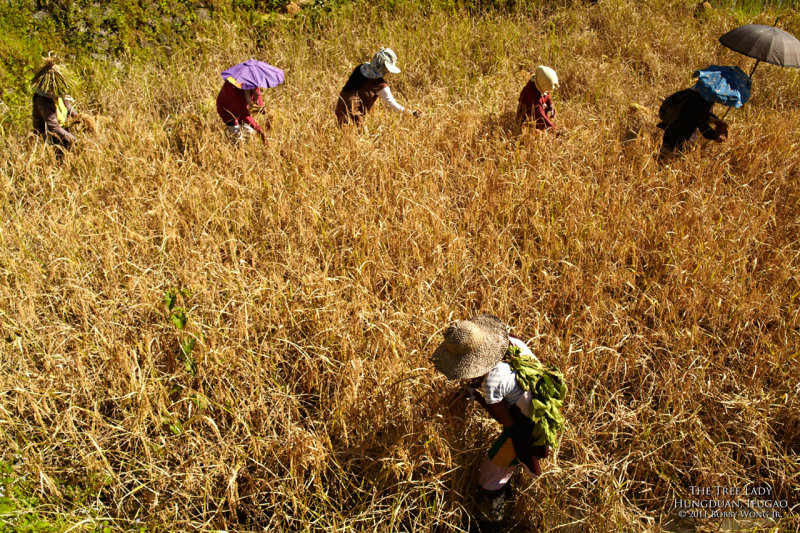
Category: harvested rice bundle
<point>52,79</point>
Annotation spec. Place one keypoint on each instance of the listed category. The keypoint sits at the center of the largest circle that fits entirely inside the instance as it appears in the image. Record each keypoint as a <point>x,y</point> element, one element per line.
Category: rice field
<point>200,337</point>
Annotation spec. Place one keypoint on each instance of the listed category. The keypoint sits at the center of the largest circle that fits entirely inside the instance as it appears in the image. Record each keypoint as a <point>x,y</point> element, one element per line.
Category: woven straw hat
<point>471,347</point>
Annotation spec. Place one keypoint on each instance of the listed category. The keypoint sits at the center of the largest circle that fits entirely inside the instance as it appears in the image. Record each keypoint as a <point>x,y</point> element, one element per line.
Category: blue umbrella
<point>252,74</point>
<point>728,86</point>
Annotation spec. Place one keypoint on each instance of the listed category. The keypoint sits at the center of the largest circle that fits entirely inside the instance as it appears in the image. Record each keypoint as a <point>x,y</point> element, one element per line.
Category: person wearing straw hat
<point>481,353</point>
<point>51,103</point>
<point>535,104</point>
<point>364,86</point>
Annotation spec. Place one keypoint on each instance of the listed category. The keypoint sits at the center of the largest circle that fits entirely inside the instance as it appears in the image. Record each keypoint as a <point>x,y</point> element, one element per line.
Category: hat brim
<point>391,67</point>
<point>479,361</point>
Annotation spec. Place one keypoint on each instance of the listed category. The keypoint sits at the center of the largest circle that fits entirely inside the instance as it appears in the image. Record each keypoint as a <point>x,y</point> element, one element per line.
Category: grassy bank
<point>201,338</point>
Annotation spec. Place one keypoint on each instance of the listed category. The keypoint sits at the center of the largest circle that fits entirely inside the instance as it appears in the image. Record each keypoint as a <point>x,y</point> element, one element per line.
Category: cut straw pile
<point>52,79</point>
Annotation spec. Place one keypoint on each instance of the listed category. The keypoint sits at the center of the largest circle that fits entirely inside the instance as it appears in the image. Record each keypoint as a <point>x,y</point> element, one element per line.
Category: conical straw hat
<point>471,347</point>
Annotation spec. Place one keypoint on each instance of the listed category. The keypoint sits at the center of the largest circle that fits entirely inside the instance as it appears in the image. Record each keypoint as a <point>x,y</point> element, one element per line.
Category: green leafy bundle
<point>548,390</point>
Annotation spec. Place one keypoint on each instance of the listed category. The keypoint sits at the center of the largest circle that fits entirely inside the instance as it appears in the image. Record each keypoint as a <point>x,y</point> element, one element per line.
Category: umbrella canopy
<point>252,74</point>
<point>728,86</point>
<point>765,43</point>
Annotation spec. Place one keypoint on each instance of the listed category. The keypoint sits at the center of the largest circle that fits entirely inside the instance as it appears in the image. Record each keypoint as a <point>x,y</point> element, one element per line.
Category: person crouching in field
<point>364,86</point>
<point>685,115</point>
<point>516,390</point>
<point>52,106</point>
<point>535,104</point>
<point>233,106</point>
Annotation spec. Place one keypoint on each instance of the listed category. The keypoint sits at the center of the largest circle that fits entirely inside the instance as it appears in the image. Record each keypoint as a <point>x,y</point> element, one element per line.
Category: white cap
<point>385,59</point>
<point>545,79</point>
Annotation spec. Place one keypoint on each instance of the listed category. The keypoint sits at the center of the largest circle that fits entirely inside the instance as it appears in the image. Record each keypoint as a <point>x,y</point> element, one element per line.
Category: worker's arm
<point>256,102</point>
<point>253,124</point>
<point>499,411</point>
<point>71,110</point>
<point>388,99</point>
<point>550,107</point>
<point>718,129</point>
<point>391,103</point>
<point>540,116</point>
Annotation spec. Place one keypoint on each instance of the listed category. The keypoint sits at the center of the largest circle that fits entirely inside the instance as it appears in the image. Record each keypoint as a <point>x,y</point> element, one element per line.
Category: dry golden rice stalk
<point>89,123</point>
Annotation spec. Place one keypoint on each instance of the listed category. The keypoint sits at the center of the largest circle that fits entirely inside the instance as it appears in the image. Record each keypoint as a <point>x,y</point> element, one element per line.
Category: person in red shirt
<point>233,106</point>
<point>535,104</point>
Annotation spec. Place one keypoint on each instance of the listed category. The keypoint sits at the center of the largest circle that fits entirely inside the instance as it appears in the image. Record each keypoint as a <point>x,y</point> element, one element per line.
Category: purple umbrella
<point>252,74</point>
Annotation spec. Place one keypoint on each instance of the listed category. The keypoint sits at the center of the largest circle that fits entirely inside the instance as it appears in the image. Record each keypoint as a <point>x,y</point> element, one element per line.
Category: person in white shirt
<point>473,351</point>
<point>364,86</point>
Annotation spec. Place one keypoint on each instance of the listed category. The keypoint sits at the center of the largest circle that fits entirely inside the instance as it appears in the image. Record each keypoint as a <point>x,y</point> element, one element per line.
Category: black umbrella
<point>764,43</point>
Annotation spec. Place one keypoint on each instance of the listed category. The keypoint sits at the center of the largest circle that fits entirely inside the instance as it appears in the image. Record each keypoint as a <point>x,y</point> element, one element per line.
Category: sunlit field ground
<point>314,276</point>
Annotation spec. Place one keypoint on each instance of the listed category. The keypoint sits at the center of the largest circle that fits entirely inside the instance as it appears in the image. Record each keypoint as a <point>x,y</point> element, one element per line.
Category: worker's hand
<point>263,136</point>
<point>721,128</point>
<point>77,119</point>
<point>457,397</point>
<point>470,393</point>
